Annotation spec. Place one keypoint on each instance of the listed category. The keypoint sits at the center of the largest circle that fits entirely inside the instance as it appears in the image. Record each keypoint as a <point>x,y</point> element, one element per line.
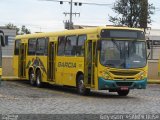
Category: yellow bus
<point>2,43</point>
<point>102,58</point>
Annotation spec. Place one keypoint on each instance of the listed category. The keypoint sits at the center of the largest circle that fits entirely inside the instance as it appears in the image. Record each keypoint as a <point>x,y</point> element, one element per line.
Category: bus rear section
<point>2,43</point>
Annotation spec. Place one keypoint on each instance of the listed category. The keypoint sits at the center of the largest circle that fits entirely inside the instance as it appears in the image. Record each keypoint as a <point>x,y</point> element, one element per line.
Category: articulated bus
<point>2,43</point>
<point>102,58</point>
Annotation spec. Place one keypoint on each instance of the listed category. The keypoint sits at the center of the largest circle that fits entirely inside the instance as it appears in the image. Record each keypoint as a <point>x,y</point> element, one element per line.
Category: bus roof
<point>73,32</point>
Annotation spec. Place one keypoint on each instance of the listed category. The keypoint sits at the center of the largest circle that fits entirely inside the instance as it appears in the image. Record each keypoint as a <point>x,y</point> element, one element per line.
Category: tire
<point>82,90</point>
<point>38,79</point>
<point>123,92</point>
<point>32,78</point>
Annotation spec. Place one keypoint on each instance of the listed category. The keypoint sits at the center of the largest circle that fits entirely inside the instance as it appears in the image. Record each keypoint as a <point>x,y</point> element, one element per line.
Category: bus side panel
<point>42,60</point>
<point>15,65</point>
<point>59,71</point>
<point>29,63</point>
<point>71,66</point>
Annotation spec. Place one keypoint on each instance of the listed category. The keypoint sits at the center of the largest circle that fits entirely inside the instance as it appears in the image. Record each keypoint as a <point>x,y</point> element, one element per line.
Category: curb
<point>153,81</point>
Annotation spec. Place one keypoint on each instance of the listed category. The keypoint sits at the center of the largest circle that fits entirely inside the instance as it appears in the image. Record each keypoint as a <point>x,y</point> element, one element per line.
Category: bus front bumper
<point>118,84</point>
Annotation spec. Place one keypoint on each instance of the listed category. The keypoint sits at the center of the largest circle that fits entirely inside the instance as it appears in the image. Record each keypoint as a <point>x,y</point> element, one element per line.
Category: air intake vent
<point>125,73</point>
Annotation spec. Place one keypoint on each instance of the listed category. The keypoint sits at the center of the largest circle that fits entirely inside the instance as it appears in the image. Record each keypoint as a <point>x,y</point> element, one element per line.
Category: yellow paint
<point>67,75</point>
<point>0,71</point>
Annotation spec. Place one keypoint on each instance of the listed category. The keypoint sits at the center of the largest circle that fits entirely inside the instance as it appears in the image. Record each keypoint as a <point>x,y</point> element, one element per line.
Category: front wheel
<point>123,92</point>
<point>82,90</point>
<point>38,79</point>
<point>32,78</point>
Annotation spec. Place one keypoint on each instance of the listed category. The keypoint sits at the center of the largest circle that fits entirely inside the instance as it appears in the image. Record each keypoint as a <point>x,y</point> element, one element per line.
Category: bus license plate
<point>124,88</point>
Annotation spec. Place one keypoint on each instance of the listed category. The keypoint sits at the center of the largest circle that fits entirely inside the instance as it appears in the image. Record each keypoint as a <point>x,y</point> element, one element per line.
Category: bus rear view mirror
<point>148,44</point>
<point>99,44</point>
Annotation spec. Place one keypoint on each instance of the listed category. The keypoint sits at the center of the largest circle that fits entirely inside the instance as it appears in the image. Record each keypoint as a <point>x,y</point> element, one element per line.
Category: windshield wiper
<point>113,40</point>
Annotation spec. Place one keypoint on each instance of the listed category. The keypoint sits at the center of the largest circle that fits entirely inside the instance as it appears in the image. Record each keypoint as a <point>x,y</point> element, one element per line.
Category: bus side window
<point>16,50</point>
<point>46,46</point>
<point>80,47</point>
<point>41,46</point>
<point>61,45</point>
<point>71,44</point>
<point>32,46</point>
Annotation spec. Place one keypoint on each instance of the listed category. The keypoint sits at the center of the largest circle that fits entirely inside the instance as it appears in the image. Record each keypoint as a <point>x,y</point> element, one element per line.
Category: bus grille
<point>125,73</point>
<point>124,83</point>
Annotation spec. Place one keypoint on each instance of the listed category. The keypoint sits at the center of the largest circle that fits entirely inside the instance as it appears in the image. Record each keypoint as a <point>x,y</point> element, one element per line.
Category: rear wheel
<point>123,92</point>
<point>38,79</point>
<point>82,90</point>
<point>32,78</point>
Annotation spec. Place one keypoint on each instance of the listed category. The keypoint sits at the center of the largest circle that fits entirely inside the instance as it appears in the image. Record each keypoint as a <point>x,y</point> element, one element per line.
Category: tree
<point>24,30</point>
<point>12,26</point>
<point>132,13</point>
<point>19,31</point>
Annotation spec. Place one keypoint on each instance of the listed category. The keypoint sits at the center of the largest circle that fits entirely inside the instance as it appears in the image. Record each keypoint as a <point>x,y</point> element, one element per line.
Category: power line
<point>89,3</point>
<point>69,24</point>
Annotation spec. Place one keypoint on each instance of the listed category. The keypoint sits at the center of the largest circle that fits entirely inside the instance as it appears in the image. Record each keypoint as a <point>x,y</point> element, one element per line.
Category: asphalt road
<point>21,98</point>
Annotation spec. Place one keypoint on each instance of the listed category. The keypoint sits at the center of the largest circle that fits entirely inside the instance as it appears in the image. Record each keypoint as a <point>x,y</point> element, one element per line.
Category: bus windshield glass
<point>123,54</point>
<point>122,34</point>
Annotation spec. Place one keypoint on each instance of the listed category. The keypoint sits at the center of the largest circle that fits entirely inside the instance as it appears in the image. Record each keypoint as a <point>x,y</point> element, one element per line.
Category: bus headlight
<point>105,75</point>
<point>142,75</point>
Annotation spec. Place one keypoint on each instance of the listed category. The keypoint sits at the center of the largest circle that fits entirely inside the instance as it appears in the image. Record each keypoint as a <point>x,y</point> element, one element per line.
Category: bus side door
<point>51,62</point>
<point>16,58</point>
<point>22,60</point>
<point>89,63</point>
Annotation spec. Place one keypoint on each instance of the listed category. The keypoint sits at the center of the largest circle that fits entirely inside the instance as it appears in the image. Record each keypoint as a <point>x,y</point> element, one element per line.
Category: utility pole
<point>69,24</point>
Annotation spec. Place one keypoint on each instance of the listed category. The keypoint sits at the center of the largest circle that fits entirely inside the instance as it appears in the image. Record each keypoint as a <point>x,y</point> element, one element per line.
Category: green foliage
<point>132,13</point>
<point>19,31</point>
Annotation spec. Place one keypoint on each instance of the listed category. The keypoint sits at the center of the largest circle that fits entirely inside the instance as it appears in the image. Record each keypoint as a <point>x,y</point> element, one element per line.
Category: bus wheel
<point>32,78</point>
<point>82,90</point>
<point>123,92</point>
<point>38,79</point>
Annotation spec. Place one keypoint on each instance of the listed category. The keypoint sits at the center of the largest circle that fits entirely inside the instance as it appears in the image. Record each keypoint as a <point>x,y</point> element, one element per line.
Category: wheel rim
<point>32,77</point>
<point>38,80</point>
<point>81,86</point>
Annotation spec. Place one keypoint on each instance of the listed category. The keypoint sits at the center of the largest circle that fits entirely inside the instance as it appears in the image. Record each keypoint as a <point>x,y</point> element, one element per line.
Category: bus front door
<point>89,65</point>
<point>51,65</point>
<point>22,60</point>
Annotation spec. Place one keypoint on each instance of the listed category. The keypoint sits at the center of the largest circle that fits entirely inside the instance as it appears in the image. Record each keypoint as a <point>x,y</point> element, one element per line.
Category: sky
<point>45,16</point>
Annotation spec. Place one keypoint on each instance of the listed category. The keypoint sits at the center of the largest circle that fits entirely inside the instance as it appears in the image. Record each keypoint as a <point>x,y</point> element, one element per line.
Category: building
<point>9,40</point>
<point>154,37</point>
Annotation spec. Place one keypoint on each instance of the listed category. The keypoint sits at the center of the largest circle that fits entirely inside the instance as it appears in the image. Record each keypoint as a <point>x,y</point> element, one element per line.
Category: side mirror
<point>148,44</point>
<point>99,44</point>
<point>2,40</point>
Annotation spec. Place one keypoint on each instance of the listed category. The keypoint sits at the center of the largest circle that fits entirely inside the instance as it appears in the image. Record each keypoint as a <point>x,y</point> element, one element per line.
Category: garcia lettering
<point>67,64</point>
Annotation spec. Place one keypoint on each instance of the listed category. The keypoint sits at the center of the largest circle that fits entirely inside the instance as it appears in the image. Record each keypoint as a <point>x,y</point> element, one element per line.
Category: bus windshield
<point>123,54</point>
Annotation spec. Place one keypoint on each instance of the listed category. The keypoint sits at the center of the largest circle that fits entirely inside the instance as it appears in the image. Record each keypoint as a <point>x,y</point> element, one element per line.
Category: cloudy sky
<point>44,16</point>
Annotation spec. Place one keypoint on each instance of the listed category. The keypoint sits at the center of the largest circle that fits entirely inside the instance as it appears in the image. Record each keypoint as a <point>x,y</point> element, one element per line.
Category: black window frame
<point>108,32</point>
<point>34,52</point>
<point>44,51</point>
<point>77,52</point>
<point>58,45</point>
<point>73,52</point>
<point>16,49</point>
